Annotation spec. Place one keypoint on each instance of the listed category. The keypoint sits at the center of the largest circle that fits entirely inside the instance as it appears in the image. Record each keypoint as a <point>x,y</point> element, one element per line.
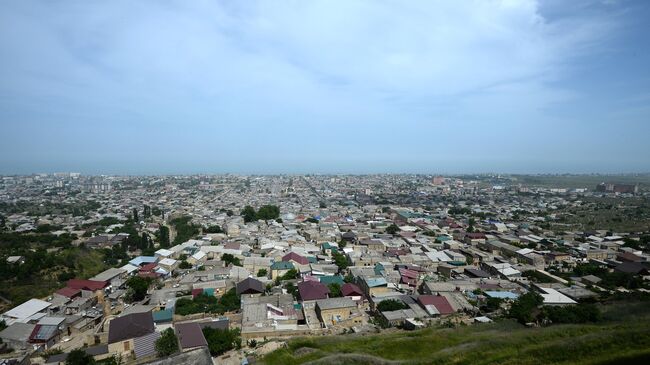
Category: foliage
<point>138,287</point>
<point>184,265</point>
<point>213,229</point>
<point>523,308</point>
<point>230,259</point>
<point>335,290</point>
<point>290,275</point>
<point>537,277</point>
<point>340,260</point>
<point>392,229</point>
<point>184,229</point>
<point>492,304</point>
<point>262,273</point>
<point>581,313</point>
<point>167,344</point>
<point>163,236</point>
<point>79,357</point>
<point>249,214</point>
<point>208,304</point>
<point>389,305</point>
<point>221,341</point>
<point>266,212</point>
<point>459,210</point>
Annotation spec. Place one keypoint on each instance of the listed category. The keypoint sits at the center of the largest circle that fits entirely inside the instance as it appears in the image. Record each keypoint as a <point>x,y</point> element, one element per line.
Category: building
<point>123,331</point>
<point>338,311</point>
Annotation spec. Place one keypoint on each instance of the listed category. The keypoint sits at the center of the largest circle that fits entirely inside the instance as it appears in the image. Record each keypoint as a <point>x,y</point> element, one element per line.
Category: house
<point>25,311</point>
<point>312,290</point>
<point>168,264</point>
<point>250,286</point>
<point>17,335</point>
<point>295,258</point>
<point>554,297</point>
<point>435,305</point>
<point>114,276</point>
<point>278,269</point>
<point>16,260</point>
<point>190,335</point>
<point>352,291</point>
<point>334,311</point>
<point>632,268</point>
<point>123,331</point>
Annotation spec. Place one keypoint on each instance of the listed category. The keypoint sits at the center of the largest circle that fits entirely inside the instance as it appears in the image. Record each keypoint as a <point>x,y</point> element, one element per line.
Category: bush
<point>389,305</point>
<point>208,304</point>
<point>523,308</point>
<point>220,341</point>
<point>167,344</point>
<point>581,313</point>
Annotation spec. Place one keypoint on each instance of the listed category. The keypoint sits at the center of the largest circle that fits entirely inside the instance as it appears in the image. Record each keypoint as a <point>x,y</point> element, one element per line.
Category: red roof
<point>292,256</point>
<point>312,290</point>
<point>349,289</point>
<point>148,267</point>
<point>196,292</point>
<point>68,292</point>
<point>438,301</point>
<point>92,285</point>
<point>411,274</point>
<point>148,274</point>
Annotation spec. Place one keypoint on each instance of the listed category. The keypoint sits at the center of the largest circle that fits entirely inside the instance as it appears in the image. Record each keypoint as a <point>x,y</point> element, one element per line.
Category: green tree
<point>184,265</point>
<point>213,229</point>
<point>340,260</point>
<point>135,215</point>
<point>389,305</point>
<point>138,287</point>
<point>221,341</point>
<point>167,344</point>
<point>79,357</point>
<point>335,290</point>
<point>262,273</point>
<point>267,212</point>
<point>230,259</point>
<point>163,236</point>
<point>290,275</point>
<point>249,214</point>
<point>524,309</point>
<point>392,229</point>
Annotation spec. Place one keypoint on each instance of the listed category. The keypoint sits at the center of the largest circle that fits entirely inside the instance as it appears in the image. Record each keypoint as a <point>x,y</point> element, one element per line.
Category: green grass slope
<point>622,338</point>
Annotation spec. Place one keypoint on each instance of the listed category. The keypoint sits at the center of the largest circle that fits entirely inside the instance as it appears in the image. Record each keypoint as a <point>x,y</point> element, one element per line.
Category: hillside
<point>623,337</point>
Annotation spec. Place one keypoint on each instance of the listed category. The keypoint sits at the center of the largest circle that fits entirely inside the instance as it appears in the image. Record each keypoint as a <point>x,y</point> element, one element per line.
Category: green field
<point>622,338</point>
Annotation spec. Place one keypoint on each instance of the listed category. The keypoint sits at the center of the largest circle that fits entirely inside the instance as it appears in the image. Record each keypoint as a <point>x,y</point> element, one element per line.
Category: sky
<point>179,87</point>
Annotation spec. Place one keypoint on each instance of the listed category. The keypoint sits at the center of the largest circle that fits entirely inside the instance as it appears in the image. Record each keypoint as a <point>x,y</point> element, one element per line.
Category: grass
<point>614,341</point>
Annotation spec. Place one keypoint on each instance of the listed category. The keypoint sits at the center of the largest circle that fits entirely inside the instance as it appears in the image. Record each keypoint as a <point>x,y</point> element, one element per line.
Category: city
<point>324,182</point>
<point>141,269</point>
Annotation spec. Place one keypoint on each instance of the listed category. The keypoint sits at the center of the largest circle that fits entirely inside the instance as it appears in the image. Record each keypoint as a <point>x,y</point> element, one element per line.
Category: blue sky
<point>151,87</point>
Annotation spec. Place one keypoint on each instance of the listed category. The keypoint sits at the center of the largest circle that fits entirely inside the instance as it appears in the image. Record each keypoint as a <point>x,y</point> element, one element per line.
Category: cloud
<point>296,67</point>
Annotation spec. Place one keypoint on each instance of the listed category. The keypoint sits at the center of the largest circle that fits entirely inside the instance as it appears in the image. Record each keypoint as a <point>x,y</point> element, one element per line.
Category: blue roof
<point>373,282</point>
<point>163,315</point>
<point>282,265</point>
<point>143,260</point>
<point>327,280</point>
<point>501,294</point>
